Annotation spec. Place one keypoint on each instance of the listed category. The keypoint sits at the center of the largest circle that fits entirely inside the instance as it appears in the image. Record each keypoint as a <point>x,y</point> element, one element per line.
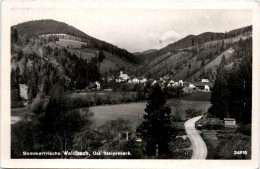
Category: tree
<point>140,94</point>
<point>15,88</point>
<point>219,96</point>
<point>101,56</point>
<point>33,84</point>
<point>177,110</point>
<point>202,62</point>
<point>14,35</point>
<point>156,128</point>
<point>223,61</point>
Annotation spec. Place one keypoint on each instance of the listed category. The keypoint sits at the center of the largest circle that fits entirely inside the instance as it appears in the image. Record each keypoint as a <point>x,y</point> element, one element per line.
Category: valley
<point>84,93</point>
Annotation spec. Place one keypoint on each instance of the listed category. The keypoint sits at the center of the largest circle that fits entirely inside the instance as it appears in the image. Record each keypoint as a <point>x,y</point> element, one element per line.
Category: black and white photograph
<point>135,83</point>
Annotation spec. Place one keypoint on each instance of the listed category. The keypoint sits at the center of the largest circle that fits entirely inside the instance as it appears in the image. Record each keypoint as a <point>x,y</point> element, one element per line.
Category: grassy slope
<point>163,64</point>
<point>214,63</point>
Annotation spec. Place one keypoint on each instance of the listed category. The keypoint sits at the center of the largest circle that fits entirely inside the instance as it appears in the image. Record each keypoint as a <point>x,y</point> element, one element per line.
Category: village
<point>164,82</point>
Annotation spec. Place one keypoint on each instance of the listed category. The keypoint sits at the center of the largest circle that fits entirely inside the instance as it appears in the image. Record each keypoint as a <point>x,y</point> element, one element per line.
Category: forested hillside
<point>193,57</point>
<point>232,92</point>
<point>33,29</point>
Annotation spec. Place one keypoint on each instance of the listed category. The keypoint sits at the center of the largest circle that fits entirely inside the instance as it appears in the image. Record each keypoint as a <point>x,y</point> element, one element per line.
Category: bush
<point>245,129</point>
<point>213,126</point>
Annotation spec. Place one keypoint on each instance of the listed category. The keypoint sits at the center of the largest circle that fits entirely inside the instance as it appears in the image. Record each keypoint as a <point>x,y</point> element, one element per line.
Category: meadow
<point>134,111</point>
<point>128,111</point>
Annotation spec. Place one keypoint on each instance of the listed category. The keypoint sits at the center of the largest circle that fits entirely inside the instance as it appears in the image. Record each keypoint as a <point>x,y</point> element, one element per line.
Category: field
<point>134,111</point>
<point>71,43</point>
<point>129,111</point>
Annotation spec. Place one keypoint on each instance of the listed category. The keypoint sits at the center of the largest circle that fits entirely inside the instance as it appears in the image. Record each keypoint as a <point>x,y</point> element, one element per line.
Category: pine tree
<point>101,56</point>
<point>202,62</point>
<point>14,35</point>
<point>15,88</point>
<point>156,127</point>
<point>33,84</point>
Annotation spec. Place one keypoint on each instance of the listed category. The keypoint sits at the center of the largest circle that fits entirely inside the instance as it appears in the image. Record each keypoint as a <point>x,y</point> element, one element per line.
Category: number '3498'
<point>240,152</point>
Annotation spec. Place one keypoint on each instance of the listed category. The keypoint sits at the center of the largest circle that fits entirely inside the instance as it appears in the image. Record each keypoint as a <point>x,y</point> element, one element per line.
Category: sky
<point>138,30</point>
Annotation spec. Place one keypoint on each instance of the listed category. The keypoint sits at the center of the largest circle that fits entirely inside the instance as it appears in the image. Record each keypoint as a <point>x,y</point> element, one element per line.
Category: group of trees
<point>232,92</point>
<point>48,126</point>
<point>15,88</point>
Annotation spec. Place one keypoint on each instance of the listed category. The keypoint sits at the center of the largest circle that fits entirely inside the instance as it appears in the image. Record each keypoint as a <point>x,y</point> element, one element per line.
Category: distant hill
<point>32,29</point>
<point>192,40</point>
<point>194,56</point>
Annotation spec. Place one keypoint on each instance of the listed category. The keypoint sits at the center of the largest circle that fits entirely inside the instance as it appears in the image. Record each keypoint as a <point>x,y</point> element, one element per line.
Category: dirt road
<point>198,146</point>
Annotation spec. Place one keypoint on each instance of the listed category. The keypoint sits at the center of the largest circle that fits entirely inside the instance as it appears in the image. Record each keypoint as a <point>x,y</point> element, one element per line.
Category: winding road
<point>198,146</point>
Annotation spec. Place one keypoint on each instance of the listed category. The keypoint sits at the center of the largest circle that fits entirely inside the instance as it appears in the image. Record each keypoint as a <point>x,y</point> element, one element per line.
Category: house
<point>135,81</point>
<point>204,80</point>
<point>192,86</point>
<point>180,82</point>
<point>171,83</point>
<point>118,80</point>
<point>230,122</point>
<point>144,80</point>
<point>206,86</point>
<point>123,76</point>
<point>95,86</point>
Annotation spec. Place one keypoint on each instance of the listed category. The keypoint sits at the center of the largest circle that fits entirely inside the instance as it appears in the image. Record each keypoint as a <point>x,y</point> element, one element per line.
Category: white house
<point>95,86</point>
<point>98,85</point>
<point>135,80</point>
<point>144,80</point>
<point>118,80</point>
<point>204,80</point>
<point>180,82</point>
<point>204,85</point>
<point>130,81</point>
<point>123,76</point>
<point>192,85</point>
<point>230,122</point>
<point>171,83</point>
<point>207,88</point>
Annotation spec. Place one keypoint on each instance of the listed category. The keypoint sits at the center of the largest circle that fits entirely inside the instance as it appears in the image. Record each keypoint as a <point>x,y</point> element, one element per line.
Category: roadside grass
<point>222,144</point>
<point>188,104</point>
